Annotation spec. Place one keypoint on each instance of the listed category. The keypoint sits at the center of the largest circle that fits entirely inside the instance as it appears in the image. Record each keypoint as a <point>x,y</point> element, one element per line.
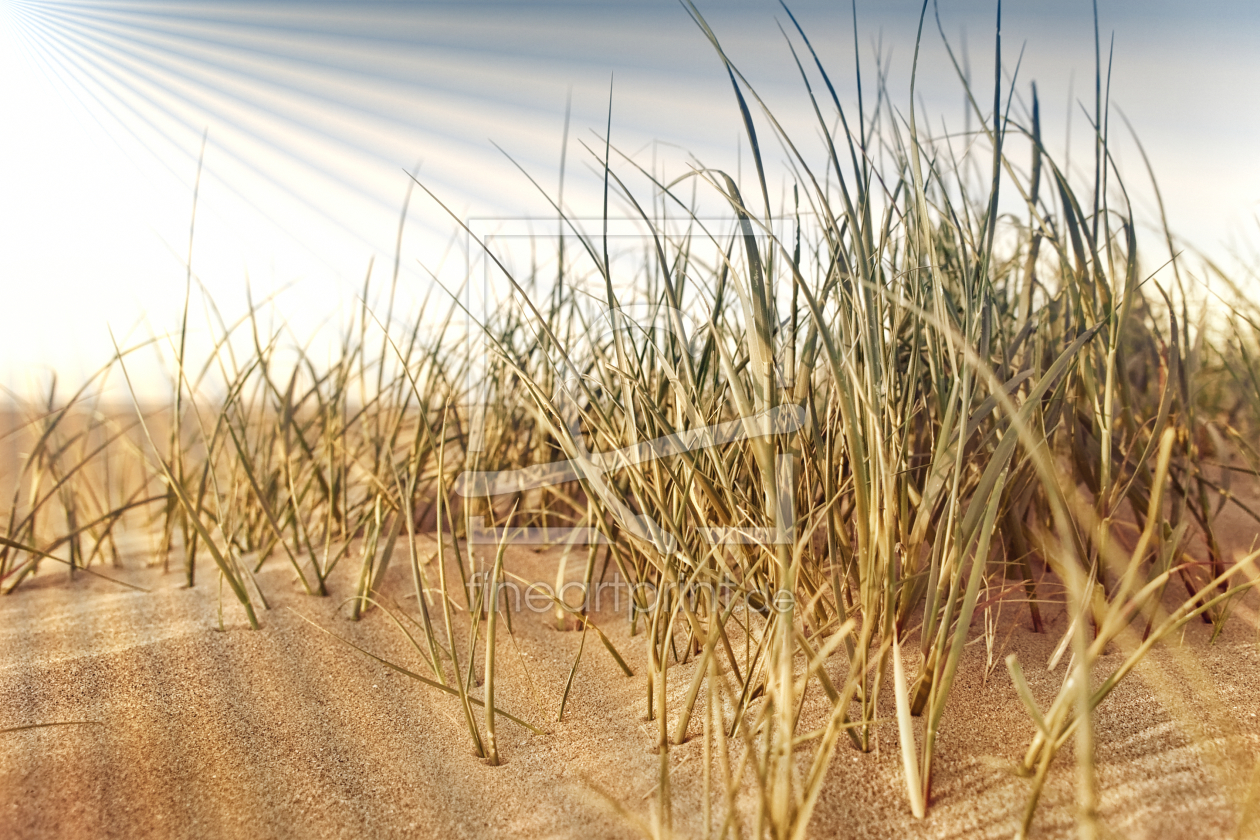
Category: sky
<point>313,113</point>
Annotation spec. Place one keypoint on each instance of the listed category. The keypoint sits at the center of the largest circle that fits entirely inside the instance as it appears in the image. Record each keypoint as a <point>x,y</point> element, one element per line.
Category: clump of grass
<point>861,409</point>
<point>74,487</point>
<point>970,396</point>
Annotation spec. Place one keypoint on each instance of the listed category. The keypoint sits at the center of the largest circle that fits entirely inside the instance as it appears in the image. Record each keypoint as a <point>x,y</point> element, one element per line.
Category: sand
<point>286,732</point>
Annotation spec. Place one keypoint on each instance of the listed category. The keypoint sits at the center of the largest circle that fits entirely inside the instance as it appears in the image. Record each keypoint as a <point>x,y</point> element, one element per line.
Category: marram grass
<point>981,394</point>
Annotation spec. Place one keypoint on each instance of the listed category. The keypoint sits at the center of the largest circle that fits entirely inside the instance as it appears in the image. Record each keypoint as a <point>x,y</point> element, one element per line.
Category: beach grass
<point>874,402</point>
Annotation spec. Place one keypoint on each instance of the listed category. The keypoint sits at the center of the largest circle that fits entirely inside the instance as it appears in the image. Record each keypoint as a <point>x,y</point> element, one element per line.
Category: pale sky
<point>314,110</point>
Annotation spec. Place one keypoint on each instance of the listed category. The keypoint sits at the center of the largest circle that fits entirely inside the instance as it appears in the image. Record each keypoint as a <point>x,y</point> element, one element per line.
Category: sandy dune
<point>287,732</point>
